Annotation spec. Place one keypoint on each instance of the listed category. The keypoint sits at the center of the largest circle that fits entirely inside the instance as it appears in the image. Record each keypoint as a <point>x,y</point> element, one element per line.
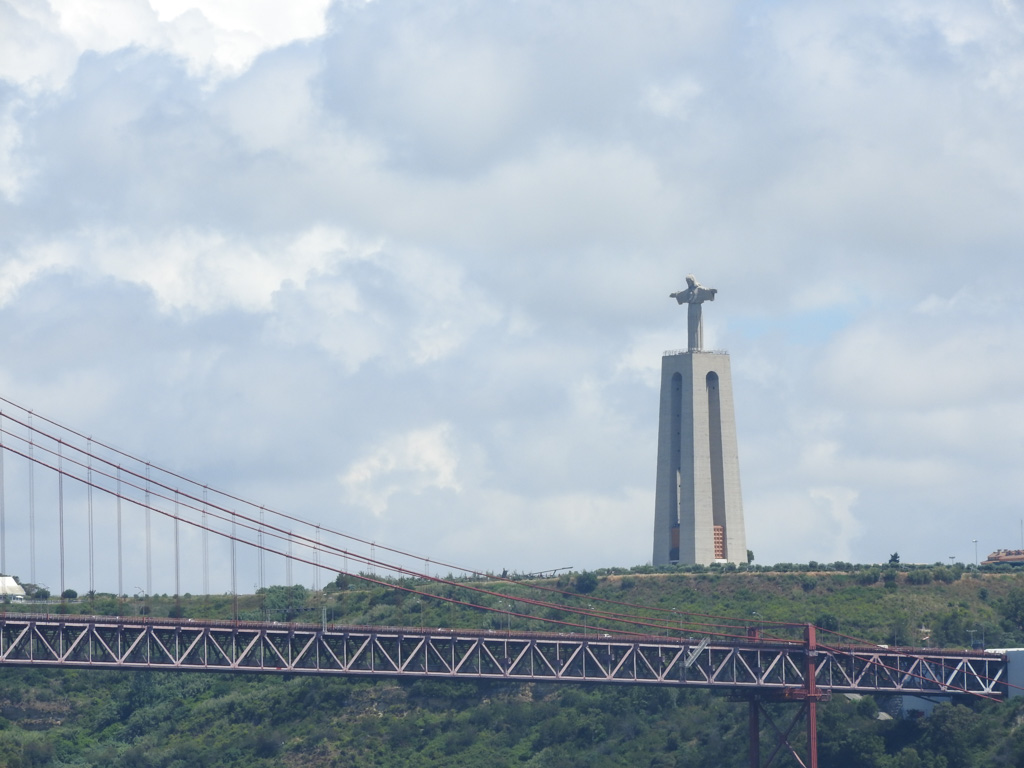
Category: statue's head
<point>691,280</point>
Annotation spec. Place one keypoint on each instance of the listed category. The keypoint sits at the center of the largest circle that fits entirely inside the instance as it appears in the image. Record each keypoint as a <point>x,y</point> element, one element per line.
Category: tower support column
<point>698,504</point>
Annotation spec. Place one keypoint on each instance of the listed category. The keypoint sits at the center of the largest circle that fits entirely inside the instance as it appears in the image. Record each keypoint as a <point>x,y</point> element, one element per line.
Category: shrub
<point>919,576</point>
<point>868,577</point>
<point>586,582</point>
<point>828,622</point>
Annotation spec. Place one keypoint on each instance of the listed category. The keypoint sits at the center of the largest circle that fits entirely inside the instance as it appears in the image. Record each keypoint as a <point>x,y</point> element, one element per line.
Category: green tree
<point>827,622</point>
<point>586,582</point>
<point>285,602</point>
<point>1012,608</point>
<point>37,753</point>
<point>953,732</point>
<point>908,758</point>
<point>848,737</point>
<point>951,629</point>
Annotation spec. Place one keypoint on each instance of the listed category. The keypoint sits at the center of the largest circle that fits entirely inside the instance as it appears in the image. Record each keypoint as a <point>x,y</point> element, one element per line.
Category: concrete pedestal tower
<point>698,515</point>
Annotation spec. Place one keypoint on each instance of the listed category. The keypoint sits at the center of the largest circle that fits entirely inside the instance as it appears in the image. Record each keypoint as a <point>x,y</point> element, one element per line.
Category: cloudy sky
<point>402,267</point>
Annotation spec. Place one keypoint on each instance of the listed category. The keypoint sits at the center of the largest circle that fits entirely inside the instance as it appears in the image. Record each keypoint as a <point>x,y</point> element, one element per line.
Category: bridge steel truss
<point>779,669</point>
<point>761,671</point>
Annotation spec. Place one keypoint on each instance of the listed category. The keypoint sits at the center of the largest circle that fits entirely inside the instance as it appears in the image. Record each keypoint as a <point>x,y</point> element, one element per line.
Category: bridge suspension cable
<point>124,477</point>
<point>151,484</point>
<point>104,469</point>
<point>152,488</point>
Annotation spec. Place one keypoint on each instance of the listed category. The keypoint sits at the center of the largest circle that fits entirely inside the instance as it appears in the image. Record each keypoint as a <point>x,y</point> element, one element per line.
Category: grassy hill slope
<point>83,717</point>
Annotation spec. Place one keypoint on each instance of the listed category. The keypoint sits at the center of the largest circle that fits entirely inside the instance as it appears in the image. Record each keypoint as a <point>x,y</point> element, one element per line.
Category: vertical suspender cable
<point>92,551</point>
<point>206,549</point>
<point>120,558</point>
<point>288,562</point>
<point>234,589</point>
<point>149,541</point>
<point>261,554</point>
<point>3,511</point>
<point>177,561</point>
<point>316,562</point>
<point>31,506</point>
<point>60,511</point>
<point>260,550</point>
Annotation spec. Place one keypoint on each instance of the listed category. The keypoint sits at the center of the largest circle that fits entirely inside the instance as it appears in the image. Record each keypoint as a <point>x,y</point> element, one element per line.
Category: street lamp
<point>508,614</point>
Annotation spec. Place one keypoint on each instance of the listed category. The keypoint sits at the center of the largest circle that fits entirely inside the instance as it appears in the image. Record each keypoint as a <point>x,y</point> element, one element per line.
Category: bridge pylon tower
<point>807,697</point>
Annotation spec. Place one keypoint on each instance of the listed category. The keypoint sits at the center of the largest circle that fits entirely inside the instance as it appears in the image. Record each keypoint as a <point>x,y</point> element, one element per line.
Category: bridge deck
<point>194,645</point>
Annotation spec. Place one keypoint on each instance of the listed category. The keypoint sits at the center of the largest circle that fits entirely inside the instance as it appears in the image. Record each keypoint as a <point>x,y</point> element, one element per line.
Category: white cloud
<point>187,270</point>
<point>898,363</point>
<point>268,21</point>
<point>785,525</point>
<point>409,463</point>
<point>270,106</point>
<point>33,52</point>
<point>310,231</point>
<point>673,100</point>
<point>41,41</point>
<point>575,528</point>
<point>12,175</point>
<point>222,39</point>
<point>836,509</point>
<point>107,25</point>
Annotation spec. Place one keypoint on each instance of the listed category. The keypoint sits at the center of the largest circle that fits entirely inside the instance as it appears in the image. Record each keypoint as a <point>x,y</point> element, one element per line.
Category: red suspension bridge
<point>71,504</point>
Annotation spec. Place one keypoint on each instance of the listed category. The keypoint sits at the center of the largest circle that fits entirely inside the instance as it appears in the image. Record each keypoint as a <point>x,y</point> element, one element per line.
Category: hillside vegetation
<point>85,717</point>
